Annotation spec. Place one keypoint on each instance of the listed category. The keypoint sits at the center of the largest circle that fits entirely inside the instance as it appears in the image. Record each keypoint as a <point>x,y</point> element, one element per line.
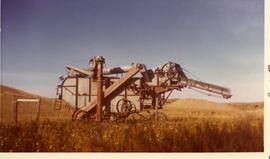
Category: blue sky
<point>220,41</point>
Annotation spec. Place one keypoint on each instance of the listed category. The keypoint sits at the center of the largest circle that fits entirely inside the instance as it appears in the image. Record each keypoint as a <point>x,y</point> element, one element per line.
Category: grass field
<point>27,111</point>
<point>193,126</point>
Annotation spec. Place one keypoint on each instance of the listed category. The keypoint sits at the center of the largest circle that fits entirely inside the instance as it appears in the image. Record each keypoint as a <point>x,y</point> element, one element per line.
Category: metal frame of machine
<point>150,87</point>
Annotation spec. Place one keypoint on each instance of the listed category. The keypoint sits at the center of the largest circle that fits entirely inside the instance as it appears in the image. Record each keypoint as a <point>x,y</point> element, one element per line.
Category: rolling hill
<point>174,108</point>
<point>27,111</point>
<point>194,125</point>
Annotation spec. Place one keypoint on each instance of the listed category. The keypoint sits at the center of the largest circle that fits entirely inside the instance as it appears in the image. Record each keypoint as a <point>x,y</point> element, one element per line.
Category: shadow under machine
<point>100,93</point>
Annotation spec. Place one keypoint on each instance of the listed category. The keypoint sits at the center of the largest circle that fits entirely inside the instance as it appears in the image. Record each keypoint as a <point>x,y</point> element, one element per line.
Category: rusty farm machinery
<point>100,93</point>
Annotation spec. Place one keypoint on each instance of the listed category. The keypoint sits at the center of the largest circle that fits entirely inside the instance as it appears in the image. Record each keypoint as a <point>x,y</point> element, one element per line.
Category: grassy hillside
<point>194,125</point>
<point>174,108</point>
<point>27,111</point>
<point>205,109</point>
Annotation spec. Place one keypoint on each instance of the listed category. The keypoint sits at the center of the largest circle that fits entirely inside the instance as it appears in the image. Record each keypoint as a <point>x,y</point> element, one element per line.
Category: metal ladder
<point>58,99</point>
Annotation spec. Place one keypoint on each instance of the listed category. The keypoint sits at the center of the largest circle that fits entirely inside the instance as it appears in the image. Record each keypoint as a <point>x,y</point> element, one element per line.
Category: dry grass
<point>193,135</point>
<point>206,109</point>
<point>193,126</point>
<point>27,111</point>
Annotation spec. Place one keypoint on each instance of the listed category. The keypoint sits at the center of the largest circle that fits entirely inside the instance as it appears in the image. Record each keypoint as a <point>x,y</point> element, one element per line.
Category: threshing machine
<point>100,93</point>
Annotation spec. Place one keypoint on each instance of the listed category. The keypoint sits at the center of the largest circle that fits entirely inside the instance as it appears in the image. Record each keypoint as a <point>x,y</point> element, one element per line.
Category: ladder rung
<point>57,104</point>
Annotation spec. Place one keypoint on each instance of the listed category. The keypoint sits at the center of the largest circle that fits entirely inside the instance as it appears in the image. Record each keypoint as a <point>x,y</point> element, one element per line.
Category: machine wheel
<point>170,70</point>
<point>124,107</point>
<point>83,114</point>
<point>77,113</point>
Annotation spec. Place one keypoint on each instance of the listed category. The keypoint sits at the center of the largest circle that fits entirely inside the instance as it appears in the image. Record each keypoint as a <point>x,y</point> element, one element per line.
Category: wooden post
<point>125,95</point>
<point>156,110</point>
<point>141,104</point>
<point>99,60</point>
<point>107,101</point>
<point>38,109</point>
<point>89,90</point>
<point>15,110</point>
<point>157,100</point>
<point>76,94</point>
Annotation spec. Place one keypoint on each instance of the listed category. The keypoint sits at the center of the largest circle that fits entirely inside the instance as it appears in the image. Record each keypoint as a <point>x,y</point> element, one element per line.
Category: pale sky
<point>220,41</point>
